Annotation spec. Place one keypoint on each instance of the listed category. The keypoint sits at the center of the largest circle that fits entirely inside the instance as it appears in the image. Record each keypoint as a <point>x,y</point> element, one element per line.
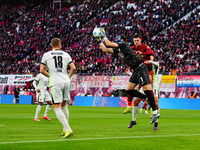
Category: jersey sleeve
<point>115,50</point>
<point>132,47</point>
<point>121,44</point>
<point>44,59</point>
<point>156,64</point>
<point>69,59</point>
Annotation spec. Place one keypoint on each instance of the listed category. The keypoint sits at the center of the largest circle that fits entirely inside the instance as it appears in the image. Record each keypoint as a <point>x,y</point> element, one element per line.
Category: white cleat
<point>154,118</point>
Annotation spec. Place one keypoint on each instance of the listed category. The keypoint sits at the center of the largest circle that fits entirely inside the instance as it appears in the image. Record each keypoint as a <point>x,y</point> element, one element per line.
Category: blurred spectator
<point>192,95</point>
<point>16,94</point>
<point>107,94</point>
<point>24,91</point>
<point>115,93</point>
<point>88,94</point>
<point>6,90</point>
<point>25,32</point>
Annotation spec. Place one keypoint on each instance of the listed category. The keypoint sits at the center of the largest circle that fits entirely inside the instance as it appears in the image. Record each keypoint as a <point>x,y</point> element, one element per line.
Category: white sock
<point>128,106</point>
<point>134,113</point>
<point>158,113</point>
<point>38,109</point>
<point>48,108</point>
<point>66,112</point>
<point>61,117</point>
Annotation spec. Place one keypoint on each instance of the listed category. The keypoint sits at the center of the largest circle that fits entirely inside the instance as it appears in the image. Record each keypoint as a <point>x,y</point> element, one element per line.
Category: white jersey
<point>57,62</point>
<point>41,82</point>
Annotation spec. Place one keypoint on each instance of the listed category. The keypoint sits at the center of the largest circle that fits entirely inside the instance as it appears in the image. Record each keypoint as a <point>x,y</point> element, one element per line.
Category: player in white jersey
<point>57,62</point>
<point>155,87</point>
<point>41,84</point>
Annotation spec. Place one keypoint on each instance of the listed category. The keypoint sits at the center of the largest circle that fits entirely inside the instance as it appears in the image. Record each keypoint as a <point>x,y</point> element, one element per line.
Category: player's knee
<point>146,87</point>
<point>64,103</point>
<point>137,101</point>
<point>49,103</point>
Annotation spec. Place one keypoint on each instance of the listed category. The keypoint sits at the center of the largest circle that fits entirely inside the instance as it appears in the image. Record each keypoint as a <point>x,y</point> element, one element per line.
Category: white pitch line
<point>1,125</point>
<point>70,117</point>
<point>106,138</point>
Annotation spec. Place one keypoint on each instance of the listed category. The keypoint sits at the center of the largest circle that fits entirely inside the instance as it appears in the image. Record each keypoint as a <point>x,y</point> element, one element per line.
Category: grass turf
<point>97,128</point>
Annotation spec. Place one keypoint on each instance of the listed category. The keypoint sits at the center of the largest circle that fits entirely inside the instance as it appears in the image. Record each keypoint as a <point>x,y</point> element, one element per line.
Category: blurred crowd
<point>26,31</point>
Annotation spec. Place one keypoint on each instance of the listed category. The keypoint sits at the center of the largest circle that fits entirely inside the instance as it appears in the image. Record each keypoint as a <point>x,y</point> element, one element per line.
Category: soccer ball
<point>97,33</point>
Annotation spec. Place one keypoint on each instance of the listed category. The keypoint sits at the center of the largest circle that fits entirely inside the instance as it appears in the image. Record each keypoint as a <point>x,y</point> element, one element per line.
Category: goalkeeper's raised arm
<point>140,75</point>
<point>103,47</point>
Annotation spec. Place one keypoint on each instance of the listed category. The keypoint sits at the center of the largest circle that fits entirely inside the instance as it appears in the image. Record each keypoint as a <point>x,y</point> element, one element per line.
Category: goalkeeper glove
<point>99,39</point>
<point>104,33</point>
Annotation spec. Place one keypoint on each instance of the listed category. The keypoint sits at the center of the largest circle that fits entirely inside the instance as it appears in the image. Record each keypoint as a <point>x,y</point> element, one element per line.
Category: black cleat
<point>132,124</point>
<point>155,126</point>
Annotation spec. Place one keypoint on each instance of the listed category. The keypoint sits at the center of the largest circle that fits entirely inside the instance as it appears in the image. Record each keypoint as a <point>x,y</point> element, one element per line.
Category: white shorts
<point>43,96</point>
<point>155,89</point>
<point>60,92</point>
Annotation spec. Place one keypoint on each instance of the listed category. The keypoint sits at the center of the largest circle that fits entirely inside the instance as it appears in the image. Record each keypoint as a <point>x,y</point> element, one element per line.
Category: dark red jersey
<point>146,53</point>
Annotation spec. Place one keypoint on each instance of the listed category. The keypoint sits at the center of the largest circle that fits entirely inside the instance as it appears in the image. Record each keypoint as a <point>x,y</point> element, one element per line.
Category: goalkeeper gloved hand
<point>104,33</point>
<point>98,39</point>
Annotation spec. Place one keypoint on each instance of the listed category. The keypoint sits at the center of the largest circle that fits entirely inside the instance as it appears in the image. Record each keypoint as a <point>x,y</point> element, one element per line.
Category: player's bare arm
<point>109,43</point>
<point>43,71</point>
<point>72,69</point>
<point>105,49</point>
<point>151,61</point>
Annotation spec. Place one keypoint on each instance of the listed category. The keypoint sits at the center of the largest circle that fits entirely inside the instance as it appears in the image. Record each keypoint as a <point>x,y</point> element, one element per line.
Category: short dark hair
<point>123,37</point>
<point>137,36</point>
<point>55,42</point>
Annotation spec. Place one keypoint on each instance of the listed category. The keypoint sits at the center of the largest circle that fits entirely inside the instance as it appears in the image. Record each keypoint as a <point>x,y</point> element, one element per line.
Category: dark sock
<point>144,106</point>
<point>130,99</point>
<point>150,99</point>
<point>135,93</point>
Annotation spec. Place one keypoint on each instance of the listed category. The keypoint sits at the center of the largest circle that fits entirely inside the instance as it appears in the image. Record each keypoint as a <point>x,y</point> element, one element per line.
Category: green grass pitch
<point>97,128</point>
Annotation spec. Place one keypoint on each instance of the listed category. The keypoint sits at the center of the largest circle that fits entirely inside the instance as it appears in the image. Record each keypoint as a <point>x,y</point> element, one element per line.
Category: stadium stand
<point>26,35</point>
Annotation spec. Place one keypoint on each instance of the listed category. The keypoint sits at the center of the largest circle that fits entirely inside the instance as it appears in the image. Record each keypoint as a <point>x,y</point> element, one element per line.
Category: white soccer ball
<point>97,33</point>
